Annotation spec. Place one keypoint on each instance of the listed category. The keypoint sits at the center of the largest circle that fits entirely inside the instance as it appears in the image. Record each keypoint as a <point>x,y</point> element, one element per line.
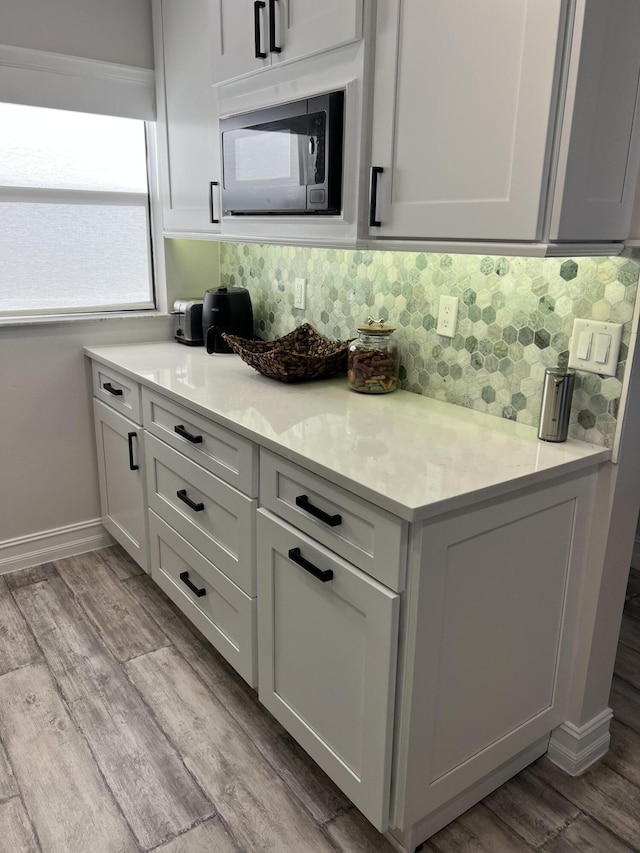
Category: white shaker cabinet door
<point>250,35</point>
<point>187,127</point>
<point>464,95</point>
<point>121,477</point>
<point>600,143</point>
<point>327,661</point>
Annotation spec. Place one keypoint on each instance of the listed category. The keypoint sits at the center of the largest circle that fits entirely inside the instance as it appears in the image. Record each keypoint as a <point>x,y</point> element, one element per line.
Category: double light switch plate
<point>595,346</point>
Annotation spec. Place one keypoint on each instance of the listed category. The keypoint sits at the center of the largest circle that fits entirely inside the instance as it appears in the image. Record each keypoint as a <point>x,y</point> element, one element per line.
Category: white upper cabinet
<point>505,120</point>
<point>463,97</point>
<point>250,35</point>
<point>599,152</point>
<point>189,159</point>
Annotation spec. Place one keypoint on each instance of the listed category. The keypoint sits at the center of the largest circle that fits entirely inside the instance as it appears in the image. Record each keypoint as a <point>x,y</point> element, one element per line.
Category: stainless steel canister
<point>556,403</point>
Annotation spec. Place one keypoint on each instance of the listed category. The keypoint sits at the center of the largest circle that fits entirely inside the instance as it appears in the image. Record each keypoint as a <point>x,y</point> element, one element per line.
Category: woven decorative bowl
<point>301,355</point>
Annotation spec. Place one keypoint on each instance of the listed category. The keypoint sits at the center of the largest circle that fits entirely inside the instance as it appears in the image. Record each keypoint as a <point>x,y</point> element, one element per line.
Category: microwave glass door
<point>267,155</point>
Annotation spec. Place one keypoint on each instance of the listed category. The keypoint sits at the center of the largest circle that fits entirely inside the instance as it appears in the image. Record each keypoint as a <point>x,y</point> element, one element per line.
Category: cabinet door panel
<point>327,662</point>
<point>465,148</point>
<point>122,493</point>
<point>300,27</point>
<point>309,27</point>
<point>233,42</point>
<point>187,115</point>
<point>600,149</point>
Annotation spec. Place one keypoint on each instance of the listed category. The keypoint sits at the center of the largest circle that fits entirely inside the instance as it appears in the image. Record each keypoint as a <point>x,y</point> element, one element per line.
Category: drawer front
<point>227,455</point>
<point>216,518</point>
<point>363,534</point>
<point>215,605</point>
<point>117,391</point>
<point>327,665</point>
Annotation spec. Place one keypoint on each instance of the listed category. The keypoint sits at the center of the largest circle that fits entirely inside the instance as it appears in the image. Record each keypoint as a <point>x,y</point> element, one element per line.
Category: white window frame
<point>108,89</point>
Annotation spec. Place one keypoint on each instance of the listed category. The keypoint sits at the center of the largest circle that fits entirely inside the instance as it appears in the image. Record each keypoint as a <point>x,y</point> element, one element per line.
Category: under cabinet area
<point>421,649</point>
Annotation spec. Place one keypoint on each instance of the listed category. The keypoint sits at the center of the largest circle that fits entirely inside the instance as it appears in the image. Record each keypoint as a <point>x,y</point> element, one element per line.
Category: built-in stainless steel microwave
<point>285,159</point>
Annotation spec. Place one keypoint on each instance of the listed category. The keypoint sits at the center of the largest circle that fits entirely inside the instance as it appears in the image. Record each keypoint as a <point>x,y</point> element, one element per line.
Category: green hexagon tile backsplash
<point>515,318</point>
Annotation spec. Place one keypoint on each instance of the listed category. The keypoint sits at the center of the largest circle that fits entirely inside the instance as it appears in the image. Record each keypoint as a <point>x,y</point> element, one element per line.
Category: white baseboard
<point>635,557</point>
<point>574,748</point>
<point>49,545</point>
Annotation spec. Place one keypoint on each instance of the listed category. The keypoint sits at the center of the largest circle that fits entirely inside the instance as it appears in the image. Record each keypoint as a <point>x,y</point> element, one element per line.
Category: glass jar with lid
<point>373,361</point>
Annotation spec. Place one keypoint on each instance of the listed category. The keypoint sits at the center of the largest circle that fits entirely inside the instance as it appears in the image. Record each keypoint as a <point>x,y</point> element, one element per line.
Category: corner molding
<point>40,78</point>
<point>49,545</point>
<point>575,748</point>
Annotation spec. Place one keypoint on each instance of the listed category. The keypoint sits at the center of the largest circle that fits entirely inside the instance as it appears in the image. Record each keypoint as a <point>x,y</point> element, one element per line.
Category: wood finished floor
<point>122,731</point>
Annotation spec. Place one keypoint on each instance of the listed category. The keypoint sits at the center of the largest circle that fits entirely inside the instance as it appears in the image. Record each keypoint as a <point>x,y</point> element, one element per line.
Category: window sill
<point>59,319</point>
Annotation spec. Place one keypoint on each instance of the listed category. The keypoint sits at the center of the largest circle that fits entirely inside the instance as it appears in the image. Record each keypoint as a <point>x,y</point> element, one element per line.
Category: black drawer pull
<point>130,437</point>
<point>212,184</point>
<point>117,392</point>
<point>196,507</point>
<point>322,575</point>
<point>257,35</point>
<point>273,47</point>
<point>373,196</point>
<point>332,520</point>
<point>184,577</point>
<point>194,439</point>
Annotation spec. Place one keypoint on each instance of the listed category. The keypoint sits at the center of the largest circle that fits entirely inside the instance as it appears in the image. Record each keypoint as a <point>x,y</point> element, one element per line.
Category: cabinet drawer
<point>215,605</point>
<point>117,391</point>
<point>368,537</point>
<point>216,518</point>
<point>328,661</point>
<point>232,458</point>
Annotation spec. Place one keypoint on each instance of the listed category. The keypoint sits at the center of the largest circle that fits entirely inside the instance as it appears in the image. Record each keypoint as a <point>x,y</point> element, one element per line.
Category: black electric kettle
<point>226,309</point>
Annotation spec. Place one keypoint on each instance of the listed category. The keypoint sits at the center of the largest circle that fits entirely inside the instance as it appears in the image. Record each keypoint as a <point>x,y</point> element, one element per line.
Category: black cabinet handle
<point>182,494</point>
<point>117,392</point>
<point>322,575</point>
<point>273,47</point>
<point>212,184</point>
<point>194,439</point>
<point>130,437</point>
<point>257,6</point>
<point>304,503</point>
<point>184,577</point>
<point>373,195</point>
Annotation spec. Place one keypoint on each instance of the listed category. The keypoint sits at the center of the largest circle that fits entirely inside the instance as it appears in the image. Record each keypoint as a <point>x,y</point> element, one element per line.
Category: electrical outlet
<point>300,293</point>
<point>447,316</point>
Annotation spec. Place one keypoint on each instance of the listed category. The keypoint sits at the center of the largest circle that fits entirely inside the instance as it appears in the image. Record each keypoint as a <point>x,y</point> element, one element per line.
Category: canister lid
<point>375,327</point>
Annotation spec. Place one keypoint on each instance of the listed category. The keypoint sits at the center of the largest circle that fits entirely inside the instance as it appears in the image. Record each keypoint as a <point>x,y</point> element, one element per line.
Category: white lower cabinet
<point>121,478</point>
<point>328,638</point>
<point>420,663</point>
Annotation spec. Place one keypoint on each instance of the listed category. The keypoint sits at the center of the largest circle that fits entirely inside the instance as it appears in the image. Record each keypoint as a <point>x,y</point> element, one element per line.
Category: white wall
<point>115,31</point>
<point>48,474</point>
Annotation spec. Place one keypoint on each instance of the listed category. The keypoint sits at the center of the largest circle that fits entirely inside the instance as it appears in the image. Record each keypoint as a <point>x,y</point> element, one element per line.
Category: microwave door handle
<point>257,28</point>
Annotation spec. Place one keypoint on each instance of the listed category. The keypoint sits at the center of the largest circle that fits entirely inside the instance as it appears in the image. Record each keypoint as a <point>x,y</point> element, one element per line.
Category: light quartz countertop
<point>411,455</point>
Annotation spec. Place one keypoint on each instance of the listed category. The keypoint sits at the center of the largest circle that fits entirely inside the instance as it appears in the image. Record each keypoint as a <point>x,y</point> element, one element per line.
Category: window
<point>74,213</point>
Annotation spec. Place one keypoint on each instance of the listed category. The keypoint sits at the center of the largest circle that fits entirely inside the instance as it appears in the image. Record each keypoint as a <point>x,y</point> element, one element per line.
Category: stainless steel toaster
<point>189,322</point>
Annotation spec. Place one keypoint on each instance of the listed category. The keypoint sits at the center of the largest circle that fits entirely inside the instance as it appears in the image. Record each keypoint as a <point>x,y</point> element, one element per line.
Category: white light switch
<point>603,344</point>
<point>584,345</point>
<point>595,346</point>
